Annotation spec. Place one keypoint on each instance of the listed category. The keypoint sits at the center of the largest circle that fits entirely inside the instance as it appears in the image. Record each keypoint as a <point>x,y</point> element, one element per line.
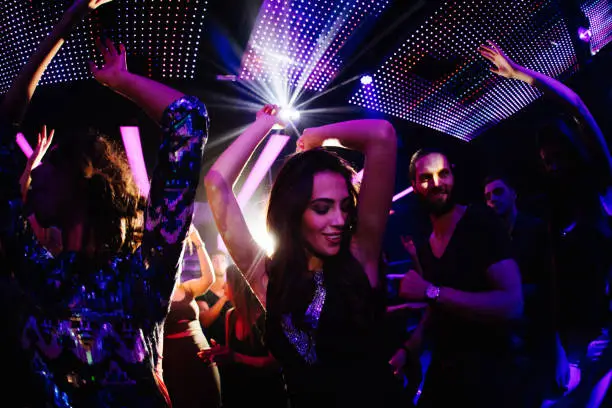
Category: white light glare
<point>289,114</point>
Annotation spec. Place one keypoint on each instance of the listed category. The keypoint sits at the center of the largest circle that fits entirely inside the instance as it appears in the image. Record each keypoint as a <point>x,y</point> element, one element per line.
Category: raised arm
<point>200,285</point>
<point>377,140</point>
<point>18,97</point>
<point>219,181</point>
<point>184,123</point>
<point>151,96</point>
<point>592,137</point>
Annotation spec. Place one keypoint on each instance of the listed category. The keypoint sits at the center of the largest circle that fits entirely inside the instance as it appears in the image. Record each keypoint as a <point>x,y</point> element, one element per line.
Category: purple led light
<point>166,36</point>
<point>437,78</point>
<point>366,80</point>
<point>584,34</point>
<point>298,41</point>
<point>599,14</point>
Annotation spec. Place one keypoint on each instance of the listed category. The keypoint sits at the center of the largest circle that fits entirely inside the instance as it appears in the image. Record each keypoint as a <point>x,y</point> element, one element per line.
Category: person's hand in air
<point>503,65</point>
<point>115,63</point>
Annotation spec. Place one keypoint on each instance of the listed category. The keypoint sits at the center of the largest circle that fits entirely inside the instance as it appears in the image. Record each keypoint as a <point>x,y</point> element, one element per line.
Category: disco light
<point>164,37</point>
<point>25,25</point>
<point>584,34</point>
<point>24,145</point>
<point>133,150</point>
<point>599,14</point>
<point>438,79</point>
<point>289,114</point>
<point>366,80</point>
<point>298,42</point>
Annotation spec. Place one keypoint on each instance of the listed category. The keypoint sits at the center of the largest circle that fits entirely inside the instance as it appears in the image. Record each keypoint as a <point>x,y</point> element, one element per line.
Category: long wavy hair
<point>291,285</point>
<point>96,167</point>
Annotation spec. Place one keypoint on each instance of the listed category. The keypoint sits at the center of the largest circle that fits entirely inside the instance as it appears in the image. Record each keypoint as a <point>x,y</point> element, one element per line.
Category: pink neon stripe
<point>402,194</point>
<point>133,149</point>
<point>268,155</point>
<point>24,145</point>
<point>270,152</point>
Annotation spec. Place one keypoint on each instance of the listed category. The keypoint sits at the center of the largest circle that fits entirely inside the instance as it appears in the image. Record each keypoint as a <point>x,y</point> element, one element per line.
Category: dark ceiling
<point>506,144</point>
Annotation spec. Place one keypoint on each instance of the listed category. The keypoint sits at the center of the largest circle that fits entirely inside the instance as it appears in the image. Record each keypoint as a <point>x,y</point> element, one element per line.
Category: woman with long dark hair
<point>321,287</point>
<point>94,313</point>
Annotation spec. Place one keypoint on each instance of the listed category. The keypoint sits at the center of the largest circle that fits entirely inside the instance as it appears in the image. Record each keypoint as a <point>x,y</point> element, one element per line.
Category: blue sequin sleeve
<point>173,187</point>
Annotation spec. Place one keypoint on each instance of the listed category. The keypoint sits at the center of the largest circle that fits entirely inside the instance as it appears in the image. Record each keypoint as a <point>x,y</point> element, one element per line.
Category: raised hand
<point>504,66</point>
<point>89,4</point>
<point>44,141</point>
<point>310,139</point>
<point>115,64</point>
<point>194,240</point>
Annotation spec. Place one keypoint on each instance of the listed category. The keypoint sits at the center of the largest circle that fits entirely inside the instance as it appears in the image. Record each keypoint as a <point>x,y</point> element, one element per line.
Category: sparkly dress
<point>335,357</point>
<point>91,329</point>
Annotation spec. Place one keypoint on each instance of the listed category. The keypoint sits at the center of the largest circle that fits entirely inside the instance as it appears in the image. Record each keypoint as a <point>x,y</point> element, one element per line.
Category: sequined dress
<point>92,329</point>
<point>335,358</point>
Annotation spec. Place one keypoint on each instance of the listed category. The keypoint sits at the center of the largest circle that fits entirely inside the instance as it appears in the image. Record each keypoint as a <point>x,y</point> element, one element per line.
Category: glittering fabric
<point>92,329</point>
<point>304,341</point>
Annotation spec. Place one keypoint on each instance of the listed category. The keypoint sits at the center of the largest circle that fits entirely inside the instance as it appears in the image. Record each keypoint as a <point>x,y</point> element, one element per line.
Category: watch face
<point>432,292</point>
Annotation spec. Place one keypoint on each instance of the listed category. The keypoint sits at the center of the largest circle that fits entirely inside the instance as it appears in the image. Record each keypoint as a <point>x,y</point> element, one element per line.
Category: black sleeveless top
<point>342,363</point>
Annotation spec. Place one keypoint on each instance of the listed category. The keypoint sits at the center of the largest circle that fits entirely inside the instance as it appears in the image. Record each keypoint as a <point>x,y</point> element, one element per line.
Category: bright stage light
<point>289,114</point>
<point>366,80</point>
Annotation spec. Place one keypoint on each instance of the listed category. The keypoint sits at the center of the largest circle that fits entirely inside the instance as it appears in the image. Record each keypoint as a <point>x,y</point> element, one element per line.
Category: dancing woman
<point>321,287</point>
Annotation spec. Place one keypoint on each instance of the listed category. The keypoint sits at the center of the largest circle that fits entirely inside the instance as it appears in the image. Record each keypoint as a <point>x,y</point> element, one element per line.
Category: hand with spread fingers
<point>504,66</point>
<point>44,142</point>
<point>115,64</point>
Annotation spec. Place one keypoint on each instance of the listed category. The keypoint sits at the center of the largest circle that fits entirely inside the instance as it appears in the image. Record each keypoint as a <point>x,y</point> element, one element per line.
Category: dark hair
<point>291,286</point>
<point>494,177</point>
<point>246,304</point>
<point>418,155</point>
<point>563,133</point>
<point>98,168</point>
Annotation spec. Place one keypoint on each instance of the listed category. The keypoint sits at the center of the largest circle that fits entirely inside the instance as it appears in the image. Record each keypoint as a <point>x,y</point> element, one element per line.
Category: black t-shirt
<point>479,241</point>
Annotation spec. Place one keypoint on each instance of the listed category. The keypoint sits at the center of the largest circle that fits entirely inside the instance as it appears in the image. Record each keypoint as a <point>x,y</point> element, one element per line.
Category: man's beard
<point>438,208</point>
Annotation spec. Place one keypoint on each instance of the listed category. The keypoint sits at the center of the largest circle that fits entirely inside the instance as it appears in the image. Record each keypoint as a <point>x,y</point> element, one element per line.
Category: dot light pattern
<point>438,79</point>
<point>165,33</point>
<point>298,41</point>
<point>162,34</point>
<point>599,14</point>
<point>24,24</point>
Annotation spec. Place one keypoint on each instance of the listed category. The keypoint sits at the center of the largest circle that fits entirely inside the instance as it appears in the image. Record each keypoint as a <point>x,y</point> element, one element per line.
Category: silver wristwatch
<point>432,293</point>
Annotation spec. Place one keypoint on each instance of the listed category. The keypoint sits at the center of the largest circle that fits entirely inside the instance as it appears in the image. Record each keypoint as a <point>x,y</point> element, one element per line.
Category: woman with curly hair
<point>93,314</point>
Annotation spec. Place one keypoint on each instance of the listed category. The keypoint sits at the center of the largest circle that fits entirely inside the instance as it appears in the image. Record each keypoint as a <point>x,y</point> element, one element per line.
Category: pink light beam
<point>133,150</point>
<point>268,155</point>
<point>24,145</point>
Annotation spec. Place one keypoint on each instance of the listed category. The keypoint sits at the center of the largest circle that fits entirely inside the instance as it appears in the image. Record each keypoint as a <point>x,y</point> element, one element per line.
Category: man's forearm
<point>496,304</point>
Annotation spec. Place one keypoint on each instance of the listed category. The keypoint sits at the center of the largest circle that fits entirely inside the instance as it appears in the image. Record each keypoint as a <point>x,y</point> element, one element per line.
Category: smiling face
<point>433,182</point>
<point>324,222</point>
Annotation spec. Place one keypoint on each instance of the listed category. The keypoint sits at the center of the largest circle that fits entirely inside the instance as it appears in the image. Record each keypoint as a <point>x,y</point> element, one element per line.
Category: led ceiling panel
<point>165,34</point>
<point>299,41</point>
<point>162,37</point>
<point>599,14</point>
<point>24,25</point>
<point>438,79</point>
